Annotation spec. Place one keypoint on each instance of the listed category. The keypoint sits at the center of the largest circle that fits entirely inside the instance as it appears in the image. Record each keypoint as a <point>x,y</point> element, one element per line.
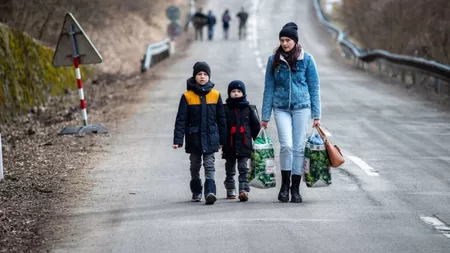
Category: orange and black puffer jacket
<point>200,119</point>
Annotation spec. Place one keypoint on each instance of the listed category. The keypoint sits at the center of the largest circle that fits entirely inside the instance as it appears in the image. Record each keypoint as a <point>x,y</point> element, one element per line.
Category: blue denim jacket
<point>285,89</point>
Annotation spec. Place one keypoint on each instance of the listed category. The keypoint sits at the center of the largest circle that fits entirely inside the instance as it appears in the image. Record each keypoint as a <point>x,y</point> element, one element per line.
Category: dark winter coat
<point>242,126</point>
<point>199,19</point>
<point>226,18</point>
<point>200,119</point>
<point>211,20</point>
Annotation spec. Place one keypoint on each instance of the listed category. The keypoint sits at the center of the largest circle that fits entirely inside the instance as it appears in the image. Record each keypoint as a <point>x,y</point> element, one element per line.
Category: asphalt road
<point>395,180</point>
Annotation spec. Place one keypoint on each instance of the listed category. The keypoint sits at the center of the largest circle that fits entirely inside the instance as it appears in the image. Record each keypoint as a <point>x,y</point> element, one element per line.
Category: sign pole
<point>76,62</point>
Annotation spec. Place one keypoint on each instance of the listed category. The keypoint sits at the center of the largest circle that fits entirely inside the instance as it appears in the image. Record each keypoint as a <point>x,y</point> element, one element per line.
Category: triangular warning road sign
<point>69,46</point>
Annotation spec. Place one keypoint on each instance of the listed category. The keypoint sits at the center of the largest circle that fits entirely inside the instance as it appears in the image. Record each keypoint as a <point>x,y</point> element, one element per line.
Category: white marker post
<point>2,178</point>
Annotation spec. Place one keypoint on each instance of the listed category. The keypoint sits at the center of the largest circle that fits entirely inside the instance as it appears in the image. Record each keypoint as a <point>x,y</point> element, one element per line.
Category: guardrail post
<point>413,74</point>
<point>172,48</point>
<point>379,68</point>
<point>403,75</point>
<point>437,85</point>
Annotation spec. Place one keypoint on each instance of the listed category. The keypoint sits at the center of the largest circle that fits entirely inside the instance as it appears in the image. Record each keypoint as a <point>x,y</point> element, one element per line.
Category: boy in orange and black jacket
<point>201,121</point>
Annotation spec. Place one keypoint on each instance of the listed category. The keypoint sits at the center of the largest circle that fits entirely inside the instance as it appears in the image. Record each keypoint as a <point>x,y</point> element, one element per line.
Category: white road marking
<point>437,224</point>
<point>259,62</point>
<point>364,166</point>
<point>253,39</point>
<point>434,193</point>
<point>443,228</point>
<point>433,221</point>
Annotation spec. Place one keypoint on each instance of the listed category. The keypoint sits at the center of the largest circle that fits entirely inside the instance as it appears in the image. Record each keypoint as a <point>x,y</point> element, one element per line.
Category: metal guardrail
<point>156,52</point>
<point>395,61</point>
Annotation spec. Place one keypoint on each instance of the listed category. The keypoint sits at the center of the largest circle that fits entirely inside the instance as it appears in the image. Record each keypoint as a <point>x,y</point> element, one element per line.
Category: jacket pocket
<point>281,74</point>
<point>214,136</point>
<point>192,136</point>
<point>192,130</point>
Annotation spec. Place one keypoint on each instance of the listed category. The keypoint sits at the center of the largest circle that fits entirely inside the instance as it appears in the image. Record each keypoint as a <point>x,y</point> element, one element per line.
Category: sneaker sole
<point>210,199</point>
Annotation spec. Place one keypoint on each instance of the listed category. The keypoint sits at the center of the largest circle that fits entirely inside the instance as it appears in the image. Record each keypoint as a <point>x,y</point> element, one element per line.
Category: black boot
<point>210,191</point>
<point>295,189</point>
<point>283,196</point>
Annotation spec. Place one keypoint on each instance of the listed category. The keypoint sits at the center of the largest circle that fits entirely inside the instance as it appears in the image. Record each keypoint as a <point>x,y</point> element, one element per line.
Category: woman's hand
<point>175,146</point>
<point>264,124</point>
<point>316,123</point>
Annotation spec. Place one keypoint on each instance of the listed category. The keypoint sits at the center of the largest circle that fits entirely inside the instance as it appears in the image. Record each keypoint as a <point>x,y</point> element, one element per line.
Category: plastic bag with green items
<point>262,163</point>
<point>317,164</point>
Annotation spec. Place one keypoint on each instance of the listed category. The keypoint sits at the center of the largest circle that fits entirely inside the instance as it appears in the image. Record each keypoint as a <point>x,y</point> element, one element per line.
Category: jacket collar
<point>197,88</point>
<point>300,57</point>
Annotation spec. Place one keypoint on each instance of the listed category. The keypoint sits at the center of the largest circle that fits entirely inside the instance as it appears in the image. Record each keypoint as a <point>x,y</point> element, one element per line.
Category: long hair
<point>291,58</point>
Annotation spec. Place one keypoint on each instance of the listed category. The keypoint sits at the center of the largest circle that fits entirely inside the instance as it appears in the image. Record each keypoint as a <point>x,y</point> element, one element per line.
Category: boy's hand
<point>220,146</point>
<point>264,124</point>
<point>175,146</point>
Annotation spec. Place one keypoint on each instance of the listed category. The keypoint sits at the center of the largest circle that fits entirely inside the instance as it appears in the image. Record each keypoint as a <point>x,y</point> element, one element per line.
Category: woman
<point>226,18</point>
<point>292,90</point>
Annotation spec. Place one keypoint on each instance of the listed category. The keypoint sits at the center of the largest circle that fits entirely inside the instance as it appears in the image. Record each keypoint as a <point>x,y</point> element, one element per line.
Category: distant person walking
<point>226,19</point>
<point>242,16</point>
<point>211,24</point>
<point>200,20</point>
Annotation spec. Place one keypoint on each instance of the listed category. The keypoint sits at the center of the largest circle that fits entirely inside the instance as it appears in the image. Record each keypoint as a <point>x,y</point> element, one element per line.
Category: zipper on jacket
<point>290,82</point>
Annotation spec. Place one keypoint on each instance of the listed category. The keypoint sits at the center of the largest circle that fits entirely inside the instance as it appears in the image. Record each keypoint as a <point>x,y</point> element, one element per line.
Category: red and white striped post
<point>76,64</point>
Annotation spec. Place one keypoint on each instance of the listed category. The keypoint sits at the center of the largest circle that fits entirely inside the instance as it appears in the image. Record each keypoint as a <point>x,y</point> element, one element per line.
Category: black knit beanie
<point>290,30</point>
<point>236,84</point>
<point>201,66</point>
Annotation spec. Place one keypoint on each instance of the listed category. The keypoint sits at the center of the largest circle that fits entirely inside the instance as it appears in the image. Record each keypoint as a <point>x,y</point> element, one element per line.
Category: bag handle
<point>321,133</point>
<point>262,133</point>
<point>313,132</point>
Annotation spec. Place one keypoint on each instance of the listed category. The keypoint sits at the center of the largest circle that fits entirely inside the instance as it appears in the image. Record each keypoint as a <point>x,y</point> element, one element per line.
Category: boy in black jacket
<point>242,126</point>
<point>201,120</point>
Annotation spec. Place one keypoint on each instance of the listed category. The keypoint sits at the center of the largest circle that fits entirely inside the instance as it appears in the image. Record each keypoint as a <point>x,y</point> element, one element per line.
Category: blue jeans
<point>292,126</point>
<point>210,32</point>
